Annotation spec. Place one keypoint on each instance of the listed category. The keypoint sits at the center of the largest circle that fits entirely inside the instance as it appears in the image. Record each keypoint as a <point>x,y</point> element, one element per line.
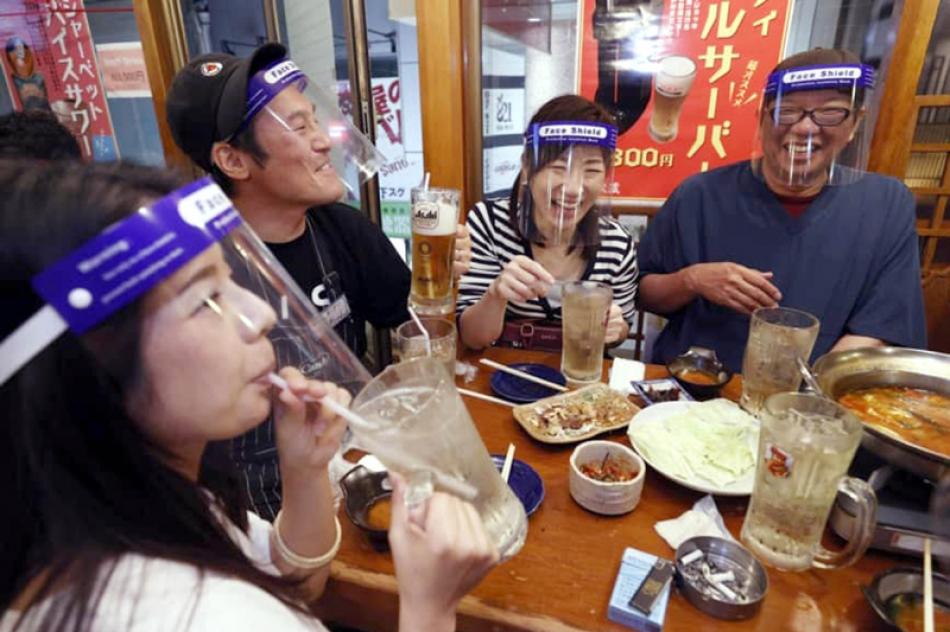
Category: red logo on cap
<point>211,68</point>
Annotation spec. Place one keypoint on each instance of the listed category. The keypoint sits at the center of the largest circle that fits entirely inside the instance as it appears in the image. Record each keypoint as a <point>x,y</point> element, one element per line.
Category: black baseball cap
<point>207,99</point>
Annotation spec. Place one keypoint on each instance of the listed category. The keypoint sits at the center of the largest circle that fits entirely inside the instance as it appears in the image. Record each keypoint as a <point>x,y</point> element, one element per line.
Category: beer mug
<point>416,423</point>
<point>584,311</point>
<point>674,78</point>
<point>435,214</point>
<point>778,336</point>
<point>806,443</point>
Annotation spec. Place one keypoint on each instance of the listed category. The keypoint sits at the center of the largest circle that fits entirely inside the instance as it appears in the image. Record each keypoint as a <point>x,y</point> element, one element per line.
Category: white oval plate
<point>659,412</point>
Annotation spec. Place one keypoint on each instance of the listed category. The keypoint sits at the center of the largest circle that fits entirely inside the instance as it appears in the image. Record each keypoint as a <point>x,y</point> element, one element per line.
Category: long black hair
<point>81,483</point>
<point>567,107</point>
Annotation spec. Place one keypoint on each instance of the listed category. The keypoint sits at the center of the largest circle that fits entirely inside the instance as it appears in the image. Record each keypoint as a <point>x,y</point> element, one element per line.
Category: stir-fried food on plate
<point>580,412</point>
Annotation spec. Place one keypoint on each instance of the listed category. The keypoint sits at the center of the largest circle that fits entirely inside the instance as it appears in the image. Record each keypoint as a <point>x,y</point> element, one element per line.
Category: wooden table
<point>563,577</point>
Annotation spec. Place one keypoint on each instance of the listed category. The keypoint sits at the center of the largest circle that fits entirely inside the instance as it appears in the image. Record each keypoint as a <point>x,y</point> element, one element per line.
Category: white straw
<point>524,376</point>
<point>509,458</point>
<point>425,332</point>
<point>425,182</point>
<point>452,485</point>
<point>487,398</point>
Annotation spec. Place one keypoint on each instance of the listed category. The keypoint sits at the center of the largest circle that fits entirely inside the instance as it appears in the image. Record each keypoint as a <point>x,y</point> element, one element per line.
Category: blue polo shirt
<point>851,259</point>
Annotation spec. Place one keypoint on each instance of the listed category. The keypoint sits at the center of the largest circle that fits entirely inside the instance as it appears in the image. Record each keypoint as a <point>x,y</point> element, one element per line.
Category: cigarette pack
<point>634,568</point>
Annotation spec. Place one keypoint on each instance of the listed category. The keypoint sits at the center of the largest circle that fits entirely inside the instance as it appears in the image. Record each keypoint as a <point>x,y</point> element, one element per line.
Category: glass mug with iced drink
<point>671,85</point>
<point>409,341</point>
<point>414,421</point>
<point>435,215</point>
<point>584,309</point>
<point>806,443</point>
<point>778,336</point>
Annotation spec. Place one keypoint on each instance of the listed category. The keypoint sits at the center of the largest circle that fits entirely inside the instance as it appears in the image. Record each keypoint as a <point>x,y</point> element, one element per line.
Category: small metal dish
<point>703,361</point>
<point>362,489</point>
<point>903,586</point>
<point>749,585</point>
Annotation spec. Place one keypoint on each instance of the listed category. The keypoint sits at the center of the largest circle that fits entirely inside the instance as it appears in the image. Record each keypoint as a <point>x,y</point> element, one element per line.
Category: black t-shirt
<point>341,250</point>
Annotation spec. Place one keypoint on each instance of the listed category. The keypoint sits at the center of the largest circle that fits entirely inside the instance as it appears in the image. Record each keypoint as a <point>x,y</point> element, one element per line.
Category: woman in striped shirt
<point>518,264</point>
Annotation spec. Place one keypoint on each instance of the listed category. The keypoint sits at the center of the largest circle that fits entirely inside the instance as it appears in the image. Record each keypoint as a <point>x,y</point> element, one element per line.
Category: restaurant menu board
<point>685,87</point>
<point>49,63</point>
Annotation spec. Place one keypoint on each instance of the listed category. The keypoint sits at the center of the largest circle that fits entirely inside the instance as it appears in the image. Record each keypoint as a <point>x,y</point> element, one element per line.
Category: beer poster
<point>684,79</point>
<point>50,64</point>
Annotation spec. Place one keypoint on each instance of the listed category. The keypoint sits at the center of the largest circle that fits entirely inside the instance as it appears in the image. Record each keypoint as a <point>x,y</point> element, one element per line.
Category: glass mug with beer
<point>584,311</point>
<point>806,443</point>
<point>415,422</point>
<point>778,336</point>
<point>435,213</point>
<point>672,83</point>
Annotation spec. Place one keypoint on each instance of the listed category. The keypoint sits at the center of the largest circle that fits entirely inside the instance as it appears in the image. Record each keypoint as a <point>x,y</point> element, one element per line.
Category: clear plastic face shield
<point>566,182</point>
<point>812,131</point>
<point>309,119</point>
<point>218,313</point>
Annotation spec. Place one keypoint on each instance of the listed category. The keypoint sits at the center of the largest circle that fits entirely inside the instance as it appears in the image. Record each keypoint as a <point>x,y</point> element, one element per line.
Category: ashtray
<point>700,372</point>
<point>366,497</point>
<point>524,481</point>
<point>662,390</point>
<point>720,577</point>
<point>897,597</point>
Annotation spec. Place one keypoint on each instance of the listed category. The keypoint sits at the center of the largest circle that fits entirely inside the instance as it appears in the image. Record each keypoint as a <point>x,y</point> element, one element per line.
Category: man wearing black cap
<point>249,123</point>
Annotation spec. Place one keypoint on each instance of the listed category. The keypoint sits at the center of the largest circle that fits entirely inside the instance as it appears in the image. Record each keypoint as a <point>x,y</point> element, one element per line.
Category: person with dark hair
<point>143,338</point>
<point>271,139</point>
<point>36,134</point>
<point>800,225</point>
<point>549,231</point>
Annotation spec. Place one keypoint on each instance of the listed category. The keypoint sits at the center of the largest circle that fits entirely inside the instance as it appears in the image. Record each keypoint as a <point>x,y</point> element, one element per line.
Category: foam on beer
<point>675,75</point>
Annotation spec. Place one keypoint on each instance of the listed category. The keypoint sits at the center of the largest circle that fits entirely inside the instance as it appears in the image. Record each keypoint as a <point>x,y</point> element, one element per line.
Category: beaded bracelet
<point>299,561</point>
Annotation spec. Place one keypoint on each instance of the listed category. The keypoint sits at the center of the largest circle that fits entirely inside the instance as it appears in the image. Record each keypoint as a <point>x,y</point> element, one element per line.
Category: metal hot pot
<point>845,371</point>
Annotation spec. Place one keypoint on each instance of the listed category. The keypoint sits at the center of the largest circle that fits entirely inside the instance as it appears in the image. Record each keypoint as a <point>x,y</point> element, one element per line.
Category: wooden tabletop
<point>563,577</point>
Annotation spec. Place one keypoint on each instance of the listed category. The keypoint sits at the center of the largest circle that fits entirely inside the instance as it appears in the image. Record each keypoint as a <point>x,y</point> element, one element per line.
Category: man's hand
<point>734,286</point>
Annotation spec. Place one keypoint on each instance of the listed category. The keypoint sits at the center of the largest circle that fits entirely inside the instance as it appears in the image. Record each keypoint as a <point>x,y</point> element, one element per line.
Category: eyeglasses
<point>822,117</point>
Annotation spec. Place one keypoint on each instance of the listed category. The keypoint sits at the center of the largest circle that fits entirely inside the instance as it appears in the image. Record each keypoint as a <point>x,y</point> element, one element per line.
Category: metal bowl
<point>726,555</point>
<point>890,585</point>
<point>704,361</point>
<point>363,488</point>
<point>844,371</point>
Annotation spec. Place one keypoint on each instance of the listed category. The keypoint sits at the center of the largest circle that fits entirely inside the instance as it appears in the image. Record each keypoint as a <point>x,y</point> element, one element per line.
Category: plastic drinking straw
<point>425,332</point>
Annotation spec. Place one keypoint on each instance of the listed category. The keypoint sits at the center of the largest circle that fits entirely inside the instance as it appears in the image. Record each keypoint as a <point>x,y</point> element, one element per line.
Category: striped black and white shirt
<point>495,243</point>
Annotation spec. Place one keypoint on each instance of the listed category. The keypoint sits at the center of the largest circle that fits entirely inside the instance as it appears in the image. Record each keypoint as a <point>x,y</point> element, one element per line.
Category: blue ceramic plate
<point>524,481</point>
<point>515,389</point>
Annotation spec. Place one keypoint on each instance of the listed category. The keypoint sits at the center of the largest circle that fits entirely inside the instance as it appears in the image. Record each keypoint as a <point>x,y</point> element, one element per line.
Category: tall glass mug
<point>806,444</point>
<point>584,309</point>
<point>435,214</point>
<point>778,336</point>
<point>674,78</point>
<point>409,342</point>
<point>416,423</point>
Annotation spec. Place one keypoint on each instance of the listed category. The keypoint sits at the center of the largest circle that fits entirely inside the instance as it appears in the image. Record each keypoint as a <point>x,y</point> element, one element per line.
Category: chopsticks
<point>928,589</point>
<point>524,376</point>
<point>487,398</point>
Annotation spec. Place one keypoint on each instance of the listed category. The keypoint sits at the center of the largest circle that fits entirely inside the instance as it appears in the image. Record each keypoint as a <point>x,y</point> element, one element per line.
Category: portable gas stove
<point>903,511</point>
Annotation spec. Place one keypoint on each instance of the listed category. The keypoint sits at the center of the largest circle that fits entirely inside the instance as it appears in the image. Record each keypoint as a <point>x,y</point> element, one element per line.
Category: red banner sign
<point>50,64</point>
<point>703,69</point>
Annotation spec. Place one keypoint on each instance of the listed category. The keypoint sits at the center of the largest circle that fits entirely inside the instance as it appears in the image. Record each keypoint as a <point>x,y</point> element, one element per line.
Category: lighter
<point>653,584</point>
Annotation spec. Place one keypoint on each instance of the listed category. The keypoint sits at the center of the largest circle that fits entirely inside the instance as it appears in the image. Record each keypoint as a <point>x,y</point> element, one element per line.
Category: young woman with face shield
<point>142,323</point>
<point>554,228</point>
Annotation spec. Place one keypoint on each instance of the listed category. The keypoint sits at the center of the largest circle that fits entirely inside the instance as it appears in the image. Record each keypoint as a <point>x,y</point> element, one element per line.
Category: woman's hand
<point>616,325</point>
<point>462,259</point>
<point>522,279</point>
<point>307,434</point>
<point>441,552</point>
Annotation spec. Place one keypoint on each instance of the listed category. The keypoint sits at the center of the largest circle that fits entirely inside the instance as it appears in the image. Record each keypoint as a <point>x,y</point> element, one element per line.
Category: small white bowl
<point>610,499</point>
